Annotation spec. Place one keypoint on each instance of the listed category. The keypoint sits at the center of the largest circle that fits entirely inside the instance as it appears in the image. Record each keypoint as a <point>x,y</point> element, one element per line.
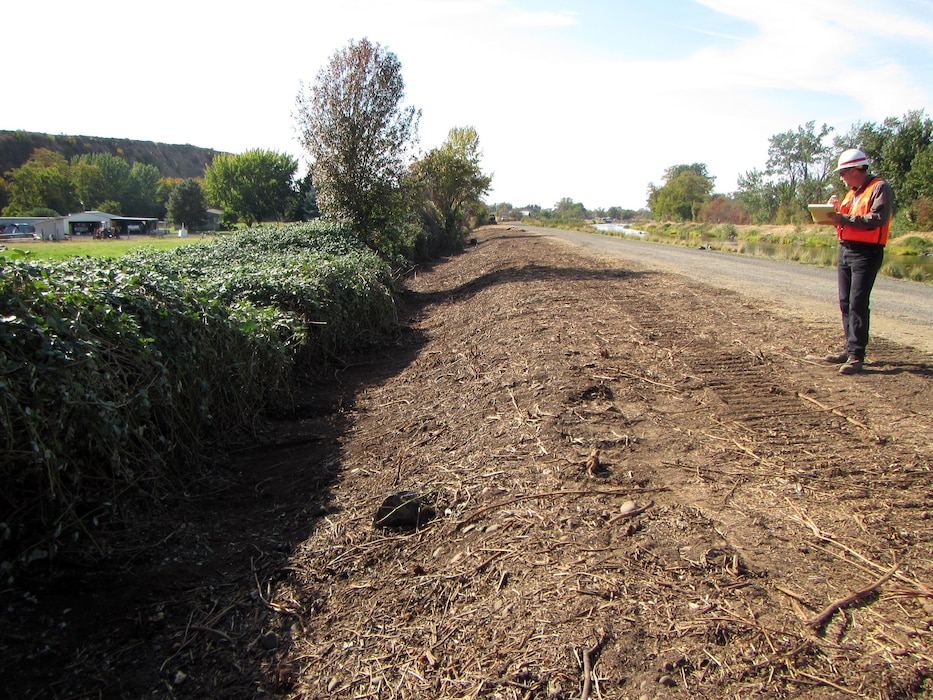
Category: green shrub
<point>119,378</point>
<point>728,232</point>
<point>910,245</point>
<point>229,219</point>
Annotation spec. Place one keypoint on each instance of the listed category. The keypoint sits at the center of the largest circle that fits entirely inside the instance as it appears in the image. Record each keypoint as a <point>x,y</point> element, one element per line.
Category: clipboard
<point>821,213</point>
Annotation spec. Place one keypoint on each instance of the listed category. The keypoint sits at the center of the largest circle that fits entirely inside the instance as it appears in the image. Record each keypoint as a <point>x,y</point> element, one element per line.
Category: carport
<point>95,224</point>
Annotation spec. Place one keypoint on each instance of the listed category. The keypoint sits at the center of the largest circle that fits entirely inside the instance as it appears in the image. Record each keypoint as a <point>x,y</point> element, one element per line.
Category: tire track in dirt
<point>774,420</point>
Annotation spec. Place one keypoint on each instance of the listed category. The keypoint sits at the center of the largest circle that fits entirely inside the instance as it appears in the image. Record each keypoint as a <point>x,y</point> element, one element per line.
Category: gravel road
<point>902,311</point>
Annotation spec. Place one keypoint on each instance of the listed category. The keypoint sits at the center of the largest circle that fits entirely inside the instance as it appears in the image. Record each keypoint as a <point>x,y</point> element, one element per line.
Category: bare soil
<point>632,486</point>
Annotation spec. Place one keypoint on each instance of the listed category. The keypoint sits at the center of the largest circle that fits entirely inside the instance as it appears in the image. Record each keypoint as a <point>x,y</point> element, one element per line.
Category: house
<point>211,220</point>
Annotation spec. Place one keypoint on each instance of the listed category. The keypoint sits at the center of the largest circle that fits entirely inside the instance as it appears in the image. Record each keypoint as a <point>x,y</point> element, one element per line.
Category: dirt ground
<point>629,486</point>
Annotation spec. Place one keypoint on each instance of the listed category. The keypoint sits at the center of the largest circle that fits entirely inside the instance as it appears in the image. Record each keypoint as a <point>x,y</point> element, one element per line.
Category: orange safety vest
<point>860,205</point>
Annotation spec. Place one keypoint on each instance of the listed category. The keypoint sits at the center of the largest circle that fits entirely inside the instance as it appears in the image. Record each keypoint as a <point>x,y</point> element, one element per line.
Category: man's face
<point>853,177</point>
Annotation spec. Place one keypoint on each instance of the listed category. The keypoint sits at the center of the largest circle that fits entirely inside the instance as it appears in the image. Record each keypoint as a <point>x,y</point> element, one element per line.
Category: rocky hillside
<point>172,160</point>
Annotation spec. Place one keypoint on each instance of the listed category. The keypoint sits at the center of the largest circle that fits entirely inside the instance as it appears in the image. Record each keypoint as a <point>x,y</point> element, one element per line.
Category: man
<point>862,220</point>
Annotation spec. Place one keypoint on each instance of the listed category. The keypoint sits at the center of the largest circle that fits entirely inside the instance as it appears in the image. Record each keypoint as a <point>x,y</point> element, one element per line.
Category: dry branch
<point>817,622</point>
<point>760,459</point>
<point>806,520</point>
<point>588,657</point>
<point>552,494</point>
<point>630,375</point>
<point>824,681</point>
<point>834,411</point>
<point>630,513</point>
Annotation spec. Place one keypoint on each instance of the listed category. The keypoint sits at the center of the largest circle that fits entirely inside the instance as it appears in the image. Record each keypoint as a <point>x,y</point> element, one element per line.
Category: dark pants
<point>857,269</point>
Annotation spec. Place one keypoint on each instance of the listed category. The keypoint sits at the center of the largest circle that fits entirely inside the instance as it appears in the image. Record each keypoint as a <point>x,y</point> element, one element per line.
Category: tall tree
<point>143,193</point>
<point>257,184</point>
<point>359,138</point>
<point>41,183</point>
<point>453,180</point>
<point>759,195</point>
<point>187,204</point>
<point>802,161</point>
<point>722,209</point>
<point>88,182</point>
<point>4,193</point>
<point>919,180</point>
<point>304,204</point>
<point>568,210</point>
<point>908,137</point>
<point>685,190</point>
<point>112,182</point>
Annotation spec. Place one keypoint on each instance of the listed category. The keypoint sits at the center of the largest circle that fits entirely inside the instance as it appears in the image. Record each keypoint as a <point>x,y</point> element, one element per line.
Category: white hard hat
<point>851,158</point>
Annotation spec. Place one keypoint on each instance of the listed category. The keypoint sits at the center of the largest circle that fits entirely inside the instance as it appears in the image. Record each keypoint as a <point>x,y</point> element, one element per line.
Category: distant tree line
<point>799,171</point>
<point>49,185</point>
<point>565,211</point>
<point>254,186</point>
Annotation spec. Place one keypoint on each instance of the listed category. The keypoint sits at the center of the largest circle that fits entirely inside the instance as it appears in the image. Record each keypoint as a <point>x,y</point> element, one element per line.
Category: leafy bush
<point>118,378</point>
<point>922,213</point>
<point>728,232</point>
<point>910,245</point>
<point>229,219</point>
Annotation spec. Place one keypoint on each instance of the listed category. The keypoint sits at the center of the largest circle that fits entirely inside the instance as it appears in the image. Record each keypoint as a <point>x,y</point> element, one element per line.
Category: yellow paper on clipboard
<point>821,213</point>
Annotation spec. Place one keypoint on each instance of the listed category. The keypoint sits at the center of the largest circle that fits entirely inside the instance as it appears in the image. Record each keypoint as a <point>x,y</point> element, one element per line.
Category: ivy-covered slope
<point>118,377</point>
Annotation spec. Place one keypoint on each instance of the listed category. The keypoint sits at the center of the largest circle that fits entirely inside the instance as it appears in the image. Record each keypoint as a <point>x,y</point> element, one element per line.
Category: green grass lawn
<point>86,246</point>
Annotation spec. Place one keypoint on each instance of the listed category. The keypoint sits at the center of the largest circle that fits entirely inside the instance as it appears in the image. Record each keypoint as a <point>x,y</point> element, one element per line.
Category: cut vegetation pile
<point>118,377</point>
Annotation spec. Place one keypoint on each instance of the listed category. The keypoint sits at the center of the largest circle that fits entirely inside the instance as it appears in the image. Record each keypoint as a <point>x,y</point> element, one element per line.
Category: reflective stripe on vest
<point>860,207</point>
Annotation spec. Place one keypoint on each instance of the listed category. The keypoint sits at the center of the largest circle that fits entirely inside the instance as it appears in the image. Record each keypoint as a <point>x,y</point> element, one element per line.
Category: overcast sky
<point>586,99</point>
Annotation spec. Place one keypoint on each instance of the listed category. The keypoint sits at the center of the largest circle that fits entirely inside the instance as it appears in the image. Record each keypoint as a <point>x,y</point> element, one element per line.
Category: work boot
<point>837,359</point>
<point>852,366</point>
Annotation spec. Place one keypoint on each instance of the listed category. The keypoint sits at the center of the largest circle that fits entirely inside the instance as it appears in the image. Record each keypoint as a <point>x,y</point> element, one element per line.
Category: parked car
<point>14,231</point>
